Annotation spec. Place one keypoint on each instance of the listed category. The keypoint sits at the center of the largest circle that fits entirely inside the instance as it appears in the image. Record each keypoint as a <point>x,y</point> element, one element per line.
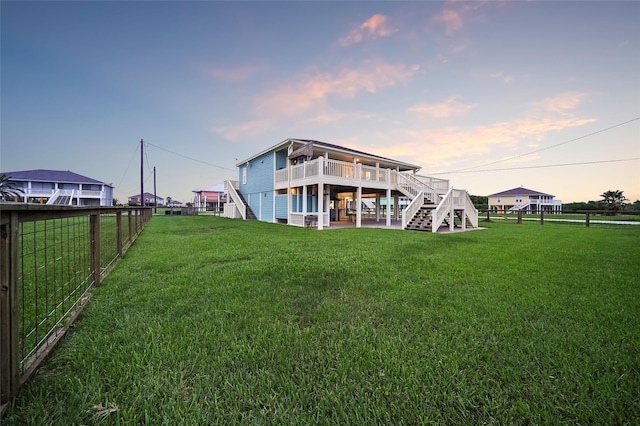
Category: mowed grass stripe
<point>216,321</point>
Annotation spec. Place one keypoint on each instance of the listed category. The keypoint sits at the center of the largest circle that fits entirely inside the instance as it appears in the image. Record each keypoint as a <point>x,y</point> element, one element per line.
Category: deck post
<point>452,214</point>
<point>359,207</point>
<point>304,199</point>
<point>320,205</point>
<point>388,205</point>
<point>396,207</point>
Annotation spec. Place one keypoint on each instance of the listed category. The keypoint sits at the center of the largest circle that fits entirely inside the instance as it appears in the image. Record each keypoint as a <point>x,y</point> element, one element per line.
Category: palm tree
<point>8,189</point>
<point>613,201</point>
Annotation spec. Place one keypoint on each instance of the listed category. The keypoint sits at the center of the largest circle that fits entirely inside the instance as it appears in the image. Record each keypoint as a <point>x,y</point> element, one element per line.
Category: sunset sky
<point>491,95</point>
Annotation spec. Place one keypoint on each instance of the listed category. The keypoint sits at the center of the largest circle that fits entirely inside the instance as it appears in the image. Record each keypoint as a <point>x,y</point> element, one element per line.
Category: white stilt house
<point>304,182</point>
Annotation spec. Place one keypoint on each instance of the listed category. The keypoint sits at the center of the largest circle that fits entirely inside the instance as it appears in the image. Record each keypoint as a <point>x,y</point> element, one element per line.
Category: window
<point>244,175</point>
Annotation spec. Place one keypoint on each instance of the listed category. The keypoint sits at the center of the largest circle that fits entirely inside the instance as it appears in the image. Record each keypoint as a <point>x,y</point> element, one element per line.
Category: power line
<point>191,158</point>
<point>547,165</point>
<point>541,149</point>
<point>129,165</point>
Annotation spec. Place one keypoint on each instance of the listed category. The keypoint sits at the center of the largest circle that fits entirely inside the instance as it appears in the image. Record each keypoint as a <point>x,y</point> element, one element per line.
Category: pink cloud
<point>456,13</point>
<point>314,88</point>
<point>562,102</point>
<point>451,19</point>
<point>445,109</point>
<point>311,93</point>
<point>439,147</point>
<point>372,28</point>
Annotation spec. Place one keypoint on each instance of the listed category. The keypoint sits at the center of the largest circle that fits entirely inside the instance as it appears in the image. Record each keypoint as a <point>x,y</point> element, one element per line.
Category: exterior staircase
<point>423,219</point>
<point>454,209</point>
<point>250,214</point>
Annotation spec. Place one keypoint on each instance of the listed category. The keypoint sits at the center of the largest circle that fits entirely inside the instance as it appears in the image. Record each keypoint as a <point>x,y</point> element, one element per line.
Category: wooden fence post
<point>94,247</point>
<point>119,233</point>
<point>9,332</point>
<point>541,217</point>
<point>587,220</point>
<point>519,217</point>
<point>130,226</point>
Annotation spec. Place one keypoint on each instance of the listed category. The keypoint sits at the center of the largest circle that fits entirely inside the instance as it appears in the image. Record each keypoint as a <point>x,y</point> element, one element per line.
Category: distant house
<point>304,182</point>
<point>61,187</point>
<point>525,200</point>
<point>212,198</point>
<point>149,199</point>
<point>174,203</point>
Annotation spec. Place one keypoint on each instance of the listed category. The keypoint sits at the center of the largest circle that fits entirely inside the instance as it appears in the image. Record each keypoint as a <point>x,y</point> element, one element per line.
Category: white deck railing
<point>412,209</point>
<point>350,172</point>
<point>282,175</point>
<point>455,199</point>
<point>442,211</point>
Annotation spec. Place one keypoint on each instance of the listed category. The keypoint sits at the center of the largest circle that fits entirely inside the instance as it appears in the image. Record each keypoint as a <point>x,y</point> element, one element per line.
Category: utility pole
<point>141,173</point>
<point>155,194</point>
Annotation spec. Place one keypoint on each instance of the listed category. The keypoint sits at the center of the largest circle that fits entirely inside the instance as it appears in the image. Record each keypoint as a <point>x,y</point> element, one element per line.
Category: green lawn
<point>217,321</point>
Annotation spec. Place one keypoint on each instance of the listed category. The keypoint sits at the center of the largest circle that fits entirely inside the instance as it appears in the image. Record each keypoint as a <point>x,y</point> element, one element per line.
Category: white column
<point>320,206</point>
<point>451,214</point>
<point>396,207</point>
<point>359,208</point>
<point>304,199</point>
<point>377,205</point>
<point>389,206</point>
<point>327,204</point>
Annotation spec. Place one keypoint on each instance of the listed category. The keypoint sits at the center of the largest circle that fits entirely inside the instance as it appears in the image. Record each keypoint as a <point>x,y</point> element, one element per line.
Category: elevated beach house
<point>304,182</point>
<point>211,198</point>
<point>61,187</point>
<point>525,200</point>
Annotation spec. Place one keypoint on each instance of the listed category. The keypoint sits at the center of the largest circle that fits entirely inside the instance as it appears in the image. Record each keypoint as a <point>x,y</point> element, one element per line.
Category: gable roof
<point>146,195</point>
<point>43,175</point>
<point>338,150</point>
<point>519,191</point>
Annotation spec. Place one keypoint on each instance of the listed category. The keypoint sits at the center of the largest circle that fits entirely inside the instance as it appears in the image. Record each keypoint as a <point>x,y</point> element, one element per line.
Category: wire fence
<point>50,259</point>
<point>589,218</point>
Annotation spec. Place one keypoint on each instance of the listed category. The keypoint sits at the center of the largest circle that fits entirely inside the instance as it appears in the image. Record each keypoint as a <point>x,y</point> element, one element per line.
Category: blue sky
<point>491,95</point>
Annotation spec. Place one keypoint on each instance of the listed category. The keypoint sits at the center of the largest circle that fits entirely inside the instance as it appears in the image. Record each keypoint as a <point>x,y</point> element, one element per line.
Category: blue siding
<point>281,159</point>
<point>281,206</point>
<point>258,190</point>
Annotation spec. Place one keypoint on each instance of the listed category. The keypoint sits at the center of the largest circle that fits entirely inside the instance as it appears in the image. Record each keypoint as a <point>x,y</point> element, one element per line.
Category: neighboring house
<point>61,188</point>
<point>149,199</point>
<point>210,199</point>
<point>526,200</point>
<point>304,182</point>
<point>174,203</point>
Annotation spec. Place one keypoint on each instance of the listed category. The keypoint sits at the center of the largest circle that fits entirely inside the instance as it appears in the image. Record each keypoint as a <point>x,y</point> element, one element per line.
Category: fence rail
<point>50,258</point>
<point>587,218</point>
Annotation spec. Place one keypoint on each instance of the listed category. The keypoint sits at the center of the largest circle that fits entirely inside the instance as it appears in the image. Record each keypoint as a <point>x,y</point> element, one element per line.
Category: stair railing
<point>231,191</point>
<point>412,209</point>
<point>470,211</point>
<point>445,207</point>
<point>53,198</point>
<point>411,187</point>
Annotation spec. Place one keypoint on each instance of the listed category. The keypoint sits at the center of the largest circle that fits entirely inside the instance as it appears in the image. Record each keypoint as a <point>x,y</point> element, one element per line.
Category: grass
<point>216,321</point>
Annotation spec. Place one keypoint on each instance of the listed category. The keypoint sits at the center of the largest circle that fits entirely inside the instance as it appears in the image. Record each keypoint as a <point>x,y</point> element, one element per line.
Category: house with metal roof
<point>60,187</point>
<point>303,182</point>
<point>525,200</point>
<point>211,198</point>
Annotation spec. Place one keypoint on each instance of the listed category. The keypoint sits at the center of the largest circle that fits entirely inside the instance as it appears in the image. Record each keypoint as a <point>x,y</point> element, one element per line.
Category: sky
<point>491,95</point>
